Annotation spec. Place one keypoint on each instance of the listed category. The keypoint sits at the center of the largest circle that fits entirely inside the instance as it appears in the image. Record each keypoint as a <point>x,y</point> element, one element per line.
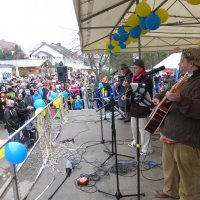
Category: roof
<point>98,20</point>
<point>23,63</point>
<point>171,62</point>
<point>57,47</point>
<point>60,49</point>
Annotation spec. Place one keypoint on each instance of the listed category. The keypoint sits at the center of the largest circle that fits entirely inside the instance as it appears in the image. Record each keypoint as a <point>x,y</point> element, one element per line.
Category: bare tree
<point>97,62</point>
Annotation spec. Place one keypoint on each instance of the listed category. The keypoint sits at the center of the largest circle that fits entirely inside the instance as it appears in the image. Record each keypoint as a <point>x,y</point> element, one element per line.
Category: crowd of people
<point>17,98</point>
<point>179,130</point>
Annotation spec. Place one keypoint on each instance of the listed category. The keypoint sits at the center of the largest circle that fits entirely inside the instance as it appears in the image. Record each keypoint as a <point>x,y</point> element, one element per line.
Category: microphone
<point>154,71</point>
<point>113,73</point>
<point>68,168</point>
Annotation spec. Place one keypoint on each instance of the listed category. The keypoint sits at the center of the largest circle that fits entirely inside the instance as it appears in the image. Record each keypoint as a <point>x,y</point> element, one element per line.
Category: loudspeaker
<point>62,73</point>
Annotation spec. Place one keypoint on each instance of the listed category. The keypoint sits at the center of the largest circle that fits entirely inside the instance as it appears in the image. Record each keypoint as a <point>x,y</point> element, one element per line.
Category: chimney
<point>43,43</point>
<point>59,44</point>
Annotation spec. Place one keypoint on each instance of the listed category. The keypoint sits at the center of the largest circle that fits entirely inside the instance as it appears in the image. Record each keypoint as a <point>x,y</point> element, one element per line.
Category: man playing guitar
<point>180,133</point>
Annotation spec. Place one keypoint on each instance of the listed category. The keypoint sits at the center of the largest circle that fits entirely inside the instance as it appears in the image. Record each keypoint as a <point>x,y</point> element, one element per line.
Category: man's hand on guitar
<point>156,101</point>
<point>173,96</point>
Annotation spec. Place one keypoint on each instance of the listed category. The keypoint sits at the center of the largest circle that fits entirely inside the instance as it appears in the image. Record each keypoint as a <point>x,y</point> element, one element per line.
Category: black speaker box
<point>62,73</point>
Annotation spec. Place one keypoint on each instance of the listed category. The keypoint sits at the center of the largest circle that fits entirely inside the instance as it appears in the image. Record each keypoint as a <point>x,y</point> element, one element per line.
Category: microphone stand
<point>140,98</point>
<point>101,124</point>
<point>118,195</point>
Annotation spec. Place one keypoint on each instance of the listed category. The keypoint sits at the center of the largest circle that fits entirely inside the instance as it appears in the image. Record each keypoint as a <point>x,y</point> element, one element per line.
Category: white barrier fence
<point>22,177</point>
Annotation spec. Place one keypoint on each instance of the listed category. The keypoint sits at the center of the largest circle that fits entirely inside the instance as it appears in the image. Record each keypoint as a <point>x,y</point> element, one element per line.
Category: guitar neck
<point>165,104</point>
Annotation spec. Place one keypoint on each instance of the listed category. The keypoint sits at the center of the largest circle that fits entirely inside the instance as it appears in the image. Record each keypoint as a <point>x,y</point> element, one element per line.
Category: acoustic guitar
<point>160,112</point>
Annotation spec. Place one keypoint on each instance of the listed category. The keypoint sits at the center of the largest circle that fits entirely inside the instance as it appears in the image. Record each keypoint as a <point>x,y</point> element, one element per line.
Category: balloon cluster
<point>137,24</point>
<point>193,2</point>
<point>14,152</point>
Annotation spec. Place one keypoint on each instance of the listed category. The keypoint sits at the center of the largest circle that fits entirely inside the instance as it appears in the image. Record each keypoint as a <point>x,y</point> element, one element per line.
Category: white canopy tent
<point>171,62</point>
<point>99,19</point>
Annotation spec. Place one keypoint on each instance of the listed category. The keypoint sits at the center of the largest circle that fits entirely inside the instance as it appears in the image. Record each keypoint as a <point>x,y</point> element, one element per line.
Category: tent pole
<point>139,40</point>
<point>139,48</point>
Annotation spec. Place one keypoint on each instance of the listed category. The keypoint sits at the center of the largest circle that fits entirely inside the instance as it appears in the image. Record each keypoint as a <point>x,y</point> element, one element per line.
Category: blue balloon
<point>15,152</point>
<point>121,30</point>
<point>135,32</point>
<point>54,95</point>
<point>122,45</point>
<point>101,85</point>
<point>110,46</point>
<point>116,37</point>
<point>123,37</point>
<point>65,94</point>
<point>143,23</point>
<point>153,21</point>
<point>39,103</point>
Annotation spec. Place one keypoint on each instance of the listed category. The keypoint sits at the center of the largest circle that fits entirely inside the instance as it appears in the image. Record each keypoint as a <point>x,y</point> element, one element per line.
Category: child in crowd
<point>78,104</point>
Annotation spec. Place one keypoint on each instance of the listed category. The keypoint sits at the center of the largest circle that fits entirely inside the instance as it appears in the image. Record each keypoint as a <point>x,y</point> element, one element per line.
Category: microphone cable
<point>68,173</point>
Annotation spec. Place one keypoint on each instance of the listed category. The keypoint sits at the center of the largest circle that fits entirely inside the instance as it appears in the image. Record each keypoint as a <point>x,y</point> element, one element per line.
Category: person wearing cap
<point>141,111</point>
<point>121,86</point>
<point>180,133</point>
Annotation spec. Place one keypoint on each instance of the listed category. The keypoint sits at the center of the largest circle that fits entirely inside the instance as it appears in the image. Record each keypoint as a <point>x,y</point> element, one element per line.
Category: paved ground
<point>84,127</point>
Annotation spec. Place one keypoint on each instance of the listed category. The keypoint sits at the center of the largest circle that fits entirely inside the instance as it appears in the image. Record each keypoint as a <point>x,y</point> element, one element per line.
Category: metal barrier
<point>40,154</point>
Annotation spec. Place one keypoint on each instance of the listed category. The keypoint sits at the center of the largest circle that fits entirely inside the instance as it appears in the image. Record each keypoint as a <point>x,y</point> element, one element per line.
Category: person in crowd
<point>14,88</point>
<point>40,89</point>
<point>36,96</point>
<point>78,104</point>
<point>122,85</point>
<point>22,111</point>
<point>45,91</point>
<point>10,93</point>
<point>157,82</point>
<point>31,88</point>
<point>141,111</point>
<point>11,119</point>
<point>28,99</point>
<point>180,133</point>
<point>21,89</point>
<point>3,99</point>
<point>90,96</point>
<point>94,82</point>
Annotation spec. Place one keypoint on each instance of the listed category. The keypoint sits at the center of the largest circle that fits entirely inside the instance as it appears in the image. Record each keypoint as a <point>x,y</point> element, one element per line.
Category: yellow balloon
<point>114,43</point>
<point>2,150</point>
<point>133,20</point>
<point>143,9</point>
<point>128,41</point>
<point>145,31</point>
<point>38,111</point>
<point>127,27</point>
<point>193,2</point>
<point>133,39</point>
<point>163,14</point>
<point>45,112</point>
<point>57,103</point>
<point>116,49</point>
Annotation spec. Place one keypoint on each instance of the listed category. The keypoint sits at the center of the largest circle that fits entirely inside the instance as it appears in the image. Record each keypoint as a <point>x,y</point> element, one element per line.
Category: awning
<point>99,19</point>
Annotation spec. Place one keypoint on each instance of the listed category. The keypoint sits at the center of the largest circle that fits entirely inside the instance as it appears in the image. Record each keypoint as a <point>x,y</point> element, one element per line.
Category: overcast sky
<point>30,22</point>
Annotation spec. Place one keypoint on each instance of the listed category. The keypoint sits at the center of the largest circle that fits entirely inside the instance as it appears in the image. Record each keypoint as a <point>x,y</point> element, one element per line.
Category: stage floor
<point>85,128</point>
